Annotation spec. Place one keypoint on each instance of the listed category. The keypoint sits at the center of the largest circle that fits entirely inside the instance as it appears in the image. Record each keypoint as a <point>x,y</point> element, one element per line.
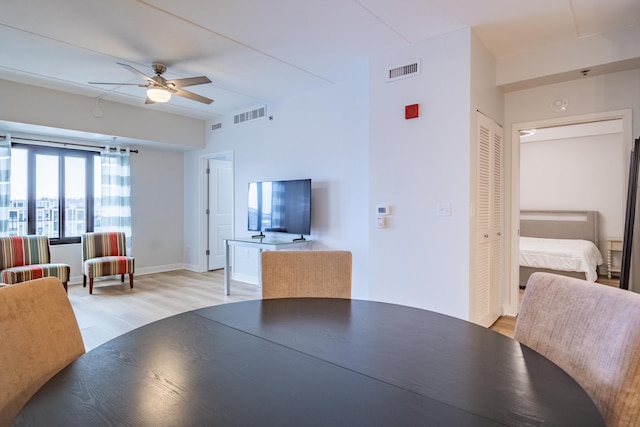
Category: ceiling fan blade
<point>117,84</point>
<point>148,101</point>
<point>190,81</point>
<point>190,95</point>
<point>139,73</point>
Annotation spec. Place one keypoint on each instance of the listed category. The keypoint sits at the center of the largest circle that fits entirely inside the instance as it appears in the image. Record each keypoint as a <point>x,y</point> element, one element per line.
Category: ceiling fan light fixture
<point>157,94</point>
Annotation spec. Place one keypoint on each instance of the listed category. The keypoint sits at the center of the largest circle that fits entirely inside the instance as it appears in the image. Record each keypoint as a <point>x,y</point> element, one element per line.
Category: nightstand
<point>614,244</point>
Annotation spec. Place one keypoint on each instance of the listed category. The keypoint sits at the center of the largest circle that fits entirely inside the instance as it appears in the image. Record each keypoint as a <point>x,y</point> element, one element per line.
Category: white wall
<point>586,96</point>
<point>157,209</point>
<point>485,95</point>
<point>577,173</point>
<point>157,215</point>
<point>45,107</point>
<point>354,142</point>
<point>421,259</point>
<point>610,92</point>
<point>564,59</point>
<point>322,135</point>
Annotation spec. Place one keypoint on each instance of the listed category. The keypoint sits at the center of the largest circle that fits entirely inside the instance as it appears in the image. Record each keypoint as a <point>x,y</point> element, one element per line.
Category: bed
<point>560,242</point>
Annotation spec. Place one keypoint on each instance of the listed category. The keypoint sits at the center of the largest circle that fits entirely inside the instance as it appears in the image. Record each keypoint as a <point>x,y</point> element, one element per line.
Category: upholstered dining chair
<point>105,254</point>
<point>322,274</point>
<point>39,335</point>
<point>592,331</point>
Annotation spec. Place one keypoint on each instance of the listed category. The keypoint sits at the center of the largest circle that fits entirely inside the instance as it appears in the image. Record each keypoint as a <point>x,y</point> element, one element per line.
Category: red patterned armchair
<point>24,258</point>
<point>105,254</point>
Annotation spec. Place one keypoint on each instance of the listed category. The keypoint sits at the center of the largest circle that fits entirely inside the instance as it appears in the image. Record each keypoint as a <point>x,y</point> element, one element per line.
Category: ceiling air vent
<point>216,126</point>
<point>257,113</point>
<point>404,71</point>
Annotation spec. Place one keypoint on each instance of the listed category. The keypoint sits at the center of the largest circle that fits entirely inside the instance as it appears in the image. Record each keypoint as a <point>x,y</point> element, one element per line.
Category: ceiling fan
<point>160,89</point>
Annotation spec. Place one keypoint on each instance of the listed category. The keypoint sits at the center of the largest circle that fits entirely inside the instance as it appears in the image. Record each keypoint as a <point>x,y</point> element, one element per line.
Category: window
<point>52,190</point>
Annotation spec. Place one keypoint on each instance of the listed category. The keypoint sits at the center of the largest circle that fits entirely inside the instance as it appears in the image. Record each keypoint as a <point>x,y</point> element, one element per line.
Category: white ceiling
<point>257,51</point>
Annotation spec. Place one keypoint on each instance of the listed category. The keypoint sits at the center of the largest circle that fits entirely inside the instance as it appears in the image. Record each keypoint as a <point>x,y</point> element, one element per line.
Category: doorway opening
<point>218,207</point>
<point>565,129</point>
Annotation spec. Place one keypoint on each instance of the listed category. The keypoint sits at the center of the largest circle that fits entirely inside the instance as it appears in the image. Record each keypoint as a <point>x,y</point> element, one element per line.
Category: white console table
<point>264,243</point>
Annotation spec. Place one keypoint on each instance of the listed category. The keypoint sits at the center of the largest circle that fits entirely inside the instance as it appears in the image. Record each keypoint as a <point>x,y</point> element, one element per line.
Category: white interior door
<point>220,210</point>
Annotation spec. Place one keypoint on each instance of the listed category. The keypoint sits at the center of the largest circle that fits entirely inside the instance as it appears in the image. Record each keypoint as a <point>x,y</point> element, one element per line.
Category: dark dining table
<point>311,362</point>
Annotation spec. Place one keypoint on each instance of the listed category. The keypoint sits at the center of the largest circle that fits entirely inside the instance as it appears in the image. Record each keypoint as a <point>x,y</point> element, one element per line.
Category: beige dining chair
<point>591,331</point>
<point>321,274</point>
<point>39,335</point>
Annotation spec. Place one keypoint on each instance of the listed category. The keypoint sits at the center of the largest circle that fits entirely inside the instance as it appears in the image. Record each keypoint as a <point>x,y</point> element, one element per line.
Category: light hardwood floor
<point>114,308</point>
<point>506,325</point>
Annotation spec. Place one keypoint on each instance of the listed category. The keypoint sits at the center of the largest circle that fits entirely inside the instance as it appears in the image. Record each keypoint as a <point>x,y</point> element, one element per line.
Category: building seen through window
<point>44,179</point>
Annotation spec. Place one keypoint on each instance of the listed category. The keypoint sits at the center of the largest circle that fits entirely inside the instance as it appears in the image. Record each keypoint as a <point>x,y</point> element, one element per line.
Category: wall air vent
<point>255,114</point>
<point>404,71</point>
<point>216,126</point>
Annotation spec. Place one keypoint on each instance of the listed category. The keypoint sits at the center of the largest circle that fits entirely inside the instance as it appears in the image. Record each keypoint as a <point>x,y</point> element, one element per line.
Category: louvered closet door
<point>485,295</point>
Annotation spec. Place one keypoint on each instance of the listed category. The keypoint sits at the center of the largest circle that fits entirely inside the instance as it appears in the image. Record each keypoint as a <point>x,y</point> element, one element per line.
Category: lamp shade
<point>157,94</point>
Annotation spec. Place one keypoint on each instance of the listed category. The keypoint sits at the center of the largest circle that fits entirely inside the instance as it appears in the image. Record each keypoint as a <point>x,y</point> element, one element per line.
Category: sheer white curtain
<point>5,185</point>
<point>116,193</point>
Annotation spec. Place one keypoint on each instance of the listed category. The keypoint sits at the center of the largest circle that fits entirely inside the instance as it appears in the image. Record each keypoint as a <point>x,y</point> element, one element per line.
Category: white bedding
<point>561,254</point>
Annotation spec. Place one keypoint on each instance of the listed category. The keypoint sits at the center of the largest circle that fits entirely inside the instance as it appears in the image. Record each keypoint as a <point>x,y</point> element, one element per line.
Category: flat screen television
<point>280,206</point>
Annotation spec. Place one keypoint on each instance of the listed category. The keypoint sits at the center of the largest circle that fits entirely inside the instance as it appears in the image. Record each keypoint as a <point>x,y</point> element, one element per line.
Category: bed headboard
<point>556,224</point>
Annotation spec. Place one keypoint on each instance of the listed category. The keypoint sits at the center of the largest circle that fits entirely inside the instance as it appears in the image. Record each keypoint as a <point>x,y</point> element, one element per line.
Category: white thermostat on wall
<point>382,210</point>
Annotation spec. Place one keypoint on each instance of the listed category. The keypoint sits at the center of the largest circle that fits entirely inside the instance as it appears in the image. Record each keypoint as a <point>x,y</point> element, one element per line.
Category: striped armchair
<point>105,254</point>
<point>24,258</point>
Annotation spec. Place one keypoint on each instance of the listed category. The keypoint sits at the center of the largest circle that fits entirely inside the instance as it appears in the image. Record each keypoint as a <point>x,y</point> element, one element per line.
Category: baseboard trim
<point>74,280</point>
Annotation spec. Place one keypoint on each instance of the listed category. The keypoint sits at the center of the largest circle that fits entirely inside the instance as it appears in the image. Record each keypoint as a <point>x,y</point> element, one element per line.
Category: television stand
<point>266,243</point>
<point>259,236</point>
<point>298,239</point>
